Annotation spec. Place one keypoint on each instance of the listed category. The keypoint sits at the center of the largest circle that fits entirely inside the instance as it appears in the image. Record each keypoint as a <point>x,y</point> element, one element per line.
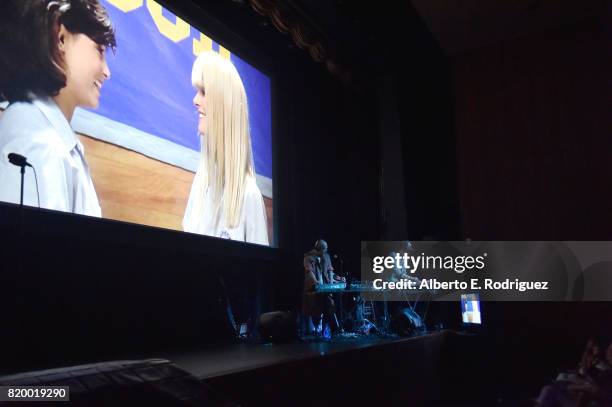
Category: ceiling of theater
<point>462,25</point>
<point>457,25</point>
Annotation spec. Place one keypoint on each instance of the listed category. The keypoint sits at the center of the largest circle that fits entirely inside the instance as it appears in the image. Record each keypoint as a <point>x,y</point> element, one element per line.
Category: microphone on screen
<point>22,162</point>
<point>18,160</point>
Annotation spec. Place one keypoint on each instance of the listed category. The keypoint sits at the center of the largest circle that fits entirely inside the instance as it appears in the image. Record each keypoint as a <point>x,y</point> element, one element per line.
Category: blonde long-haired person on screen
<point>224,201</point>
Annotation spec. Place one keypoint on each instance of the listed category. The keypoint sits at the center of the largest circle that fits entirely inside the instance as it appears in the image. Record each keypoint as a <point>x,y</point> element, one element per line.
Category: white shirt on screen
<point>253,226</point>
<point>40,132</point>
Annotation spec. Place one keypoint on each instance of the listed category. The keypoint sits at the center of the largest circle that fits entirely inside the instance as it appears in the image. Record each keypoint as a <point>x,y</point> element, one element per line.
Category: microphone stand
<point>20,161</point>
<point>21,228</point>
<point>21,195</point>
<point>340,294</point>
<point>18,287</point>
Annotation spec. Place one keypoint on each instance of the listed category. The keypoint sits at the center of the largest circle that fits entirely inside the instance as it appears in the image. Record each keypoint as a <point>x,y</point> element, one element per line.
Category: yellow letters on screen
<point>204,44</point>
<point>126,5</point>
<point>224,53</point>
<point>174,32</point>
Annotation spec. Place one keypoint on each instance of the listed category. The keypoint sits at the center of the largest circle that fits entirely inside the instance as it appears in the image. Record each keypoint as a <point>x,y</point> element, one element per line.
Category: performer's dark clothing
<point>318,270</point>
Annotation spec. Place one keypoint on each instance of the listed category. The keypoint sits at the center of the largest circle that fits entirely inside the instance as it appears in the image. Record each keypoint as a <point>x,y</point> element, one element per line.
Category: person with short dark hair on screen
<point>52,60</point>
<point>225,200</point>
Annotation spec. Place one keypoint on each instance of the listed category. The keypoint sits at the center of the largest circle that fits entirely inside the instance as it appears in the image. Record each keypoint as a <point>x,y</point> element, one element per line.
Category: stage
<point>437,369</point>
<point>431,369</point>
<point>211,362</point>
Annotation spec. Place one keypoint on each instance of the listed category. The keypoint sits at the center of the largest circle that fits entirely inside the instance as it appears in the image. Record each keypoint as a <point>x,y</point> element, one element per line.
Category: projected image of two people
<point>147,151</point>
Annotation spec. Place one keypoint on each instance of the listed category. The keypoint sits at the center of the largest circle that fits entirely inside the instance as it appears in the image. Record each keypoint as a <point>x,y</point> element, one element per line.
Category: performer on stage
<point>318,269</point>
<point>392,304</point>
<point>324,268</point>
<point>52,59</point>
<point>225,200</point>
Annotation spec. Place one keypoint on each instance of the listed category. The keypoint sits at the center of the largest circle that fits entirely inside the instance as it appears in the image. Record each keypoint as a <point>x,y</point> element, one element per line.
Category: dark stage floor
<point>436,369</point>
<point>221,360</point>
<point>432,369</point>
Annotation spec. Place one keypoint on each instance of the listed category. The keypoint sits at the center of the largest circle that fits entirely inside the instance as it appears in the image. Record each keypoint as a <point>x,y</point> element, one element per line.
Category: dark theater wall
<point>533,126</point>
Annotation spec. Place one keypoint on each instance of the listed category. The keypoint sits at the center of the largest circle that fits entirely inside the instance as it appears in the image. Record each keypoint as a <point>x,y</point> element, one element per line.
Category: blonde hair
<point>226,157</point>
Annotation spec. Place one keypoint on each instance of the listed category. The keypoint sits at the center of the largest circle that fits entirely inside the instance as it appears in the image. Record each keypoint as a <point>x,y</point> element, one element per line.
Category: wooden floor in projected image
<point>134,188</point>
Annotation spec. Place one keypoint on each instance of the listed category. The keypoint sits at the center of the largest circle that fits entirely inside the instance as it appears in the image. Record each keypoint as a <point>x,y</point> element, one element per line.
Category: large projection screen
<point>142,144</point>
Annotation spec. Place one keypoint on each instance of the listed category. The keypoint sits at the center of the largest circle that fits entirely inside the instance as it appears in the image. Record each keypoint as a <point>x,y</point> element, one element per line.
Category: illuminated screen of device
<point>470,309</point>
